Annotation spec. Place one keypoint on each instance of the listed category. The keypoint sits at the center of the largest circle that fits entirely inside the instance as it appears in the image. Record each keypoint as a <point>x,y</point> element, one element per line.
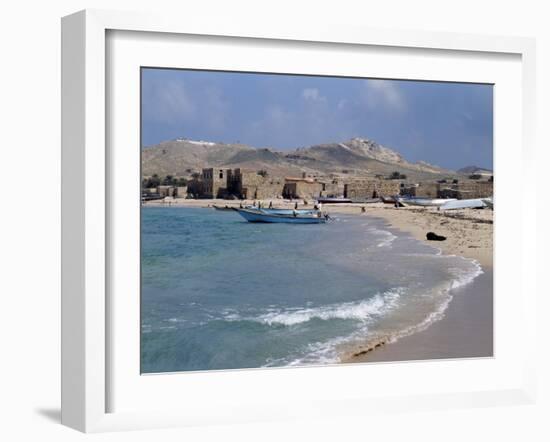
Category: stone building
<point>429,189</point>
<point>251,185</point>
<point>467,189</point>
<point>371,188</point>
<point>234,183</point>
<point>215,182</point>
<point>181,192</point>
<point>331,188</point>
<point>196,188</point>
<point>302,188</point>
<point>463,189</point>
<point>166,191</point>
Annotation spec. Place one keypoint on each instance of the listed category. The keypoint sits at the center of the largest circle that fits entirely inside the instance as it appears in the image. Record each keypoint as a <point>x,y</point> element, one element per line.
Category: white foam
<point>327,352</point>
<point>361,310</point>
<point>387,237</point>
<point>387,240</point>
<point>464,277</point>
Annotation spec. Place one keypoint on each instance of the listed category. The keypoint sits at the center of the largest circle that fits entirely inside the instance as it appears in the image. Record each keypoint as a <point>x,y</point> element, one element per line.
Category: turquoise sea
<point>221,293</point>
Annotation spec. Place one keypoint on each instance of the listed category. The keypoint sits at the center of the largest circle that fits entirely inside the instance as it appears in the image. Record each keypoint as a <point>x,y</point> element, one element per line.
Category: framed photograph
<point>268,223</point>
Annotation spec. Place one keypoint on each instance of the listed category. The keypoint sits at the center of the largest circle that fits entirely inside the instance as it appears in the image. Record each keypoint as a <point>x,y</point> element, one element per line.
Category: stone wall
<point>166,190</point>
<point>332,188</point>
<point>181,192</point>
<point>429,190</point>
<point>196,188</point>
<point>302,189</point>
<point>371,188</point>
<point>467,189</point>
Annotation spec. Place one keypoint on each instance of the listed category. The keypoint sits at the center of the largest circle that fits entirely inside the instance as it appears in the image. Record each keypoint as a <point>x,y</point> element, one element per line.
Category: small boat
<point>224,208</point>
<point>151,196</point>
<point>388,199</point>
<point>258,216</point>
<point>326,200</point>
<point>289,211</point>
<point>425,202</point>
<point>366,200</point>
<point>476,203</point>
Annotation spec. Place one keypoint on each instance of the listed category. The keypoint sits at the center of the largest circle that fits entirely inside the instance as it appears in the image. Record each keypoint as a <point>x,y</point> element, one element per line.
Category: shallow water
<point>219,292</point>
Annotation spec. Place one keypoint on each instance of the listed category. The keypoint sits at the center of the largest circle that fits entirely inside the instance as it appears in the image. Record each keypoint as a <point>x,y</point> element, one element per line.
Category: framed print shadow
<point>252,212</point>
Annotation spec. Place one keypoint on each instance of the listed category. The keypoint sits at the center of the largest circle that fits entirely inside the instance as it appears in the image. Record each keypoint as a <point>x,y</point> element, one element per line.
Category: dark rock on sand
<point>431,236</point>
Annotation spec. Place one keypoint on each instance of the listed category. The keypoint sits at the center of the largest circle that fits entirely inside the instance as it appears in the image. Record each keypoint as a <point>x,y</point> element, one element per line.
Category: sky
<point>446,124</point>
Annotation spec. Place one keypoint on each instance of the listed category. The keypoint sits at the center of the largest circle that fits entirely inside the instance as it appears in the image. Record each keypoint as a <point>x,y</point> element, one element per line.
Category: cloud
<point>312,94</point>
<point>215,108</point>
<point>169,102</point>
<point>383,94</point>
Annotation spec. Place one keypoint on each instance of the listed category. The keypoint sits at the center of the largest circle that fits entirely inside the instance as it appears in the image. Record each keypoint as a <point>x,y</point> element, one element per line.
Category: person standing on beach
<point>296,205</point>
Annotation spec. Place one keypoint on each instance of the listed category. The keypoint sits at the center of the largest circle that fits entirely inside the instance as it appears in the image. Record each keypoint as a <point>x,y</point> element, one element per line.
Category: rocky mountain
<point>358,156</point>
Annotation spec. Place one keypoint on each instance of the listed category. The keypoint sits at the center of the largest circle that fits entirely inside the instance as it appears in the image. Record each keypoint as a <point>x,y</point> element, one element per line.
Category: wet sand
<point>465,331</point>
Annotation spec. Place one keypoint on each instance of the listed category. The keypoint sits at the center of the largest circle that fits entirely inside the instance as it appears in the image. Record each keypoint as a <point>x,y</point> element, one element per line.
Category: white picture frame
<point>87,356</point>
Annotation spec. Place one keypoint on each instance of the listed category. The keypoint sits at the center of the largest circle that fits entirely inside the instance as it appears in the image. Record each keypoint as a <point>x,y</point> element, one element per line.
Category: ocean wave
<point>464,277</point>
<point>387,237</point>
<point>461,278</point>
<point>387,240</point>
<point>361,310</point>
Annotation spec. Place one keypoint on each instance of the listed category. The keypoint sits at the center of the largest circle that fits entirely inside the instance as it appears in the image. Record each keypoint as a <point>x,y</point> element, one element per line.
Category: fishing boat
<point>258,216</point>
<point>425,202</point>
<point>366,200</point>
<point>476,203</point>
<point>388,199</point>
<point>338,200</point>
<point>289,211</point>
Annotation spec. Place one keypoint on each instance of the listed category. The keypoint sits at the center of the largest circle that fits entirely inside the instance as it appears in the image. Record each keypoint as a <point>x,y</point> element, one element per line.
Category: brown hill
<point>357,156</point>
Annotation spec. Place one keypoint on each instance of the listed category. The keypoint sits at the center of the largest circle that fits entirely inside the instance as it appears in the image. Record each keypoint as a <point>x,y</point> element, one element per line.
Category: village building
<point>253,185</point>
<point>467,189</point>
<point>301,188</point>
<point>234,183</point>
<point>371,188</point>
<point>459,189</point>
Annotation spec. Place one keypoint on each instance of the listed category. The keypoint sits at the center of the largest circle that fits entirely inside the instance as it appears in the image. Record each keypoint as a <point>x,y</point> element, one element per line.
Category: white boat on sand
<point>425,202</point>
<point>476,203</point>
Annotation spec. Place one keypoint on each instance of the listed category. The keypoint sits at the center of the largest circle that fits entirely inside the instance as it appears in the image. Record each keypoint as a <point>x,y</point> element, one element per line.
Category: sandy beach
<point>466,327</point>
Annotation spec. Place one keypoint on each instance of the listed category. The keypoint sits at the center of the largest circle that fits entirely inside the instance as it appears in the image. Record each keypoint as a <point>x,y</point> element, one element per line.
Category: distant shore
<point>466,327</point>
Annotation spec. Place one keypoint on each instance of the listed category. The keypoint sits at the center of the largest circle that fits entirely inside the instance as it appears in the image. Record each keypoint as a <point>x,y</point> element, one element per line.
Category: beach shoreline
<point>465,328</point>
<point>469,232</point>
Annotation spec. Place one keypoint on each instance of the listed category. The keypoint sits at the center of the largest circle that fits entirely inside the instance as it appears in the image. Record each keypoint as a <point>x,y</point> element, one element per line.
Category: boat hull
<point>257,216</point>
<point>333,200</point>
<point>464,204</point>
<point>289,211</point>
<point>425,202</point>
